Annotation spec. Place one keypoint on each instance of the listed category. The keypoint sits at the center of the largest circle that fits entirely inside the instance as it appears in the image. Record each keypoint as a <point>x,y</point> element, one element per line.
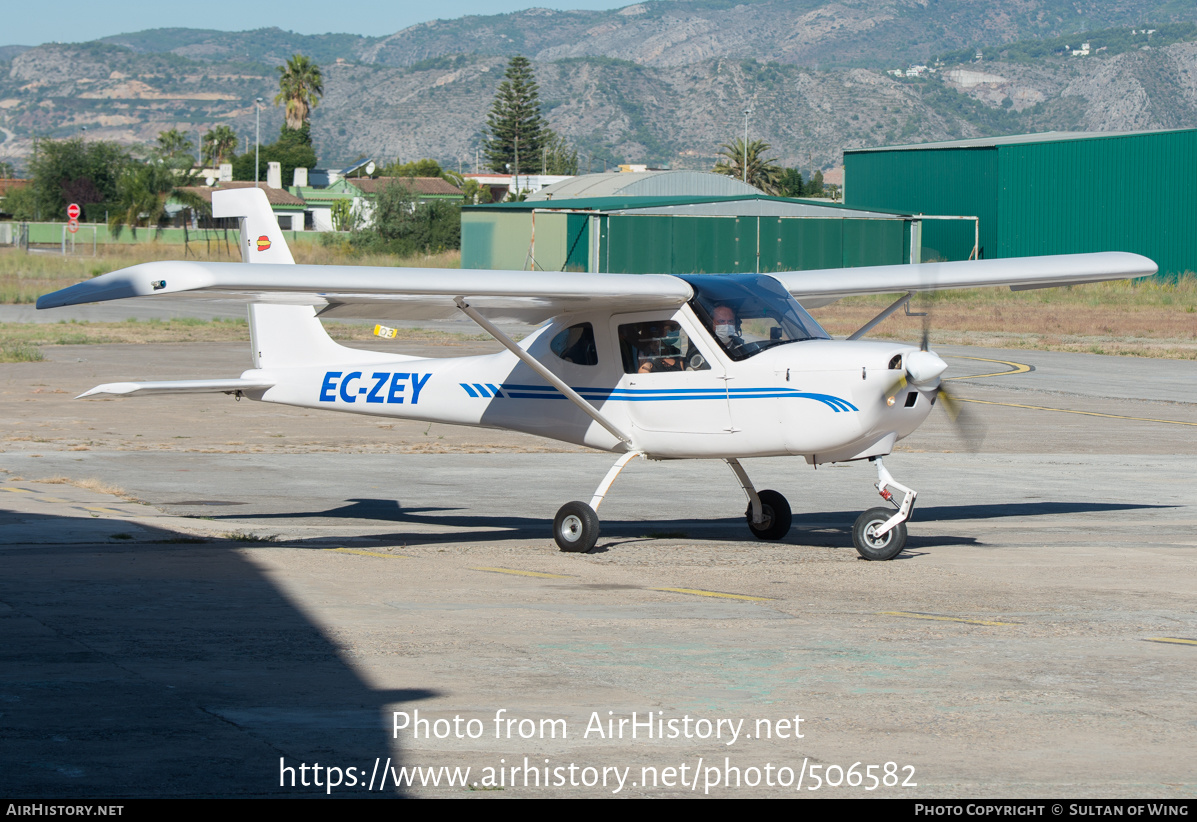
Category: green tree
<point>220,144</point>
<point>175,144</point>
<point>476,193</point>
<point>300,87</point>
<point>559,157</point>
<point>144,188</point>
<point>72,171</point>
<point>814,188</point>
<point>343,218</point>
<point>292,150</point>
<point>515,127</point>
<point>789,183</point>
<point>416,168</point>
<point>762,173</point>
<point>400,225</point>
<point>7,172</point>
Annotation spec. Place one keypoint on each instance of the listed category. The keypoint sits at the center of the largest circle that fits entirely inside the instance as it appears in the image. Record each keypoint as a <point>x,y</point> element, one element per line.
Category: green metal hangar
<point>1053,193</point>
<point>679,224</point>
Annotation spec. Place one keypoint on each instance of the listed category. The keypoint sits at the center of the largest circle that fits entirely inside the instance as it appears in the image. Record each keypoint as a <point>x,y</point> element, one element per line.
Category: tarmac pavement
<point>262,589</point>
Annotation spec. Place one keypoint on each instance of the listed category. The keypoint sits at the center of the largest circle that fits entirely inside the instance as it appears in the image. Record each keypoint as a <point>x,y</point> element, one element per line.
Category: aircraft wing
<point>817,288</point>
<point>383,293</point>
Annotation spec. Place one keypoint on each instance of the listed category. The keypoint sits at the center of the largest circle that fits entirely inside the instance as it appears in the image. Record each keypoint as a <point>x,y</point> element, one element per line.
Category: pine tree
<point>515,122</point>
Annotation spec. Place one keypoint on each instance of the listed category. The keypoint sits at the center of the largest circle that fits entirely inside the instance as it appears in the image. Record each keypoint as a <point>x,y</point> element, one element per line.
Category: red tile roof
<point>420,185</point>
<point>276,196</point>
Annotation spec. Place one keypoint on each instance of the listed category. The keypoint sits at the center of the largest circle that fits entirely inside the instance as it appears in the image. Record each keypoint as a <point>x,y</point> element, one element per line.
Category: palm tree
<point>300,87</point>
<point>219,144</point>
<point>763,174</point>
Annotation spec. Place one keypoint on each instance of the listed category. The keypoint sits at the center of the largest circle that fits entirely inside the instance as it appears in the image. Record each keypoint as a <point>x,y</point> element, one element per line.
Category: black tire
<point>872,548</point>
<point>576,528</point>
<point>777,517</point>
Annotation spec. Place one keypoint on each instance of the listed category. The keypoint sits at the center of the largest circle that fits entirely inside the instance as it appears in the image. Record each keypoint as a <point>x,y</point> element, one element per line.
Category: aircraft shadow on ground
<point>166,670</point>
<point>827,528</point>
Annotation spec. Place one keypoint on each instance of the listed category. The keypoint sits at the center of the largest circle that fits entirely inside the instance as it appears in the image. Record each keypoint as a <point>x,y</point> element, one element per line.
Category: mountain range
<point>663,83</point>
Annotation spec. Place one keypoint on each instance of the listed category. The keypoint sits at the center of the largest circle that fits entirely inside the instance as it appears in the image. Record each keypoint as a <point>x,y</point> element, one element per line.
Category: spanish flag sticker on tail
<point>263,243</point>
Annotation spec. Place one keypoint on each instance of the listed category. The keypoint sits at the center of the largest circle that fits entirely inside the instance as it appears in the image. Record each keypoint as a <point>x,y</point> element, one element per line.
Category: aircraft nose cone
<point>924,368</point>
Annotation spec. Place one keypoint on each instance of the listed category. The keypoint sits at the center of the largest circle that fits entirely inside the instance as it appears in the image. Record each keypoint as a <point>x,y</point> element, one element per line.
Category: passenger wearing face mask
<point>726,327</point>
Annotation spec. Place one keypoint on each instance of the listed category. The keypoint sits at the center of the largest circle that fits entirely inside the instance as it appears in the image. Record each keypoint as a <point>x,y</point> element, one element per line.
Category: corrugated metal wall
<point>1120,193</point>
<point>1134,193</point>
<point>956,182</point>
<point>727,245</point>
<point>677,244</point>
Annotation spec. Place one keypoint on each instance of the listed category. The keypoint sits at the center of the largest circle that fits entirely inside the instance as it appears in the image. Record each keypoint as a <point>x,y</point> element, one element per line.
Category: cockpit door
<point>670,381</point>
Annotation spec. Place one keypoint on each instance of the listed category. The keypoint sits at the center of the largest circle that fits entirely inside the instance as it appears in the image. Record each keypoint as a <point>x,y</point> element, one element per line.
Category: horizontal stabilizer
<point>123,389</point>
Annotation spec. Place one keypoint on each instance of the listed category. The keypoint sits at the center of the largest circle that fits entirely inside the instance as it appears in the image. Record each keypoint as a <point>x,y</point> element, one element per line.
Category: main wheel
<point>873,547</point>
<point>576,527</point>
<point>776,516</point>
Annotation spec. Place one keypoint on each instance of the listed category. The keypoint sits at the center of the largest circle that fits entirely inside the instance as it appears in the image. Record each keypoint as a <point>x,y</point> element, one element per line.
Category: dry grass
<point>90,484</point>
<point>26,337</point>
<point>1148,319</point>
<point>24,277</point>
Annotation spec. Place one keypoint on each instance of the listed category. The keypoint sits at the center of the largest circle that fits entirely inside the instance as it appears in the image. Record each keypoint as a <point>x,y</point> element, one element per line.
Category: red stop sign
<point>73,211</point>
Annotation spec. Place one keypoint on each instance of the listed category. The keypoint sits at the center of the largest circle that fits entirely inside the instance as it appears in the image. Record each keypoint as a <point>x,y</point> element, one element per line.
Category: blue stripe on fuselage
<point>518,391</point>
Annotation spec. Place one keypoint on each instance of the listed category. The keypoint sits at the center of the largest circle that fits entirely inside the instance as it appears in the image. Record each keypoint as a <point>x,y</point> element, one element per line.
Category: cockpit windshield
<point>749,313</point>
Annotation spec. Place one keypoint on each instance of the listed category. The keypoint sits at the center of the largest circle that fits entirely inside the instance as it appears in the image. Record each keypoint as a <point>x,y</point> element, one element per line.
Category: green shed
<point>683,235</point>
<point>1052,193</point>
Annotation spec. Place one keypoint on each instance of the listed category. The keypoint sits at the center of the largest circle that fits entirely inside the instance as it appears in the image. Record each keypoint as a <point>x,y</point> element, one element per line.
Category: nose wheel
<point>879,533</point>
<point>878,546</point>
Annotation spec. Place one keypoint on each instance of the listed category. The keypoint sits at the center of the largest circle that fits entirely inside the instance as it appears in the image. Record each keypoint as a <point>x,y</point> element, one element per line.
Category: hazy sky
<point>74,21</point>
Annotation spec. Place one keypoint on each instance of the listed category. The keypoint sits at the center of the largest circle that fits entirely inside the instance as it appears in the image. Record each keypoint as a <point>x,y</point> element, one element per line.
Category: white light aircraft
<point>721,367</point>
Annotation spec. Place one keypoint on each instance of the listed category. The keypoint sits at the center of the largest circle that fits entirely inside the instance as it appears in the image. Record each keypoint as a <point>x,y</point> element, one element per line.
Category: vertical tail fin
<point>280,335</point>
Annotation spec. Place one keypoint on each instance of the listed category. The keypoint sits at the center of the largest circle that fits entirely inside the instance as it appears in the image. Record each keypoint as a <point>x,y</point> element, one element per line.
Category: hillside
<point>663,83</point>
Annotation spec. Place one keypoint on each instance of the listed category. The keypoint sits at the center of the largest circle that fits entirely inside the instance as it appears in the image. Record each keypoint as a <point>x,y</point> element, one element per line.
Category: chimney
<point>301,177</point>
<point>274,175</point>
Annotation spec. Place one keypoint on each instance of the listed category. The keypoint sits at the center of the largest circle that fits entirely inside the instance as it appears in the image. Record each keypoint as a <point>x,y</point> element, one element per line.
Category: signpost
<point>73,212</point>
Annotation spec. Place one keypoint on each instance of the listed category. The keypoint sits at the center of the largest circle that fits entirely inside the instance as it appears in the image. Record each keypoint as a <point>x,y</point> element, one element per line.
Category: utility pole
<point>744,169</point>
<point>257,136</point>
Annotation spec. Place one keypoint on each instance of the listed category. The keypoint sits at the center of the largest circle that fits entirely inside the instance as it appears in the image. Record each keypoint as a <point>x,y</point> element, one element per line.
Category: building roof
<point>1016,139</point>
<point>429,186</point>
<point>276,196</point>
<point>755,204</point>
<point>645,184</point>
<point>9,184</point>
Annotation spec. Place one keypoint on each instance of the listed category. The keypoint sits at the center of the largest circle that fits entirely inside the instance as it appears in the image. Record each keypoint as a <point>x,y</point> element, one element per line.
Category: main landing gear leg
<point>768,512</point>
<point>877,534</point>
<point>576,526</point>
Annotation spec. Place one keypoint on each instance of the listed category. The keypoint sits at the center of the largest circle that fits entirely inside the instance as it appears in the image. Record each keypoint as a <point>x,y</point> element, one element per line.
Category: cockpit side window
<point>658,346</point>
<point>576,344</point>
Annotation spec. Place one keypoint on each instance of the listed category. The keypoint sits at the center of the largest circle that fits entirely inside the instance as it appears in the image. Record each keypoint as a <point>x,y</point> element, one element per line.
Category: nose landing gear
<point>877,534</point>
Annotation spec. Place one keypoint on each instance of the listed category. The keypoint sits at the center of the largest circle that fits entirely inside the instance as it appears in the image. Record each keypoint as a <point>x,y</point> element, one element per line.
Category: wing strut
<point>873,323</point>
<point>548,375</point>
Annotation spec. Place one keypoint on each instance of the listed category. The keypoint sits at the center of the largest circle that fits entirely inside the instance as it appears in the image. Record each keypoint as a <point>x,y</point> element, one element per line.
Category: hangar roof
<point>645,184</point>
<point>1014,139</point>
<point>752,205</point>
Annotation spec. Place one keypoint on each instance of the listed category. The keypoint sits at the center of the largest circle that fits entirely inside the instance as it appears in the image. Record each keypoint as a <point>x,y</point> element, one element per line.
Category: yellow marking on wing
<point>367,553</point>
<point>1082,413</point>
<point>1172,640</point>
<point>519,573</point>
<point>701,593</point>
<point>940,618</point>
<point>103,510</point>
<point>17,490</point>
<point>1018,368</point>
